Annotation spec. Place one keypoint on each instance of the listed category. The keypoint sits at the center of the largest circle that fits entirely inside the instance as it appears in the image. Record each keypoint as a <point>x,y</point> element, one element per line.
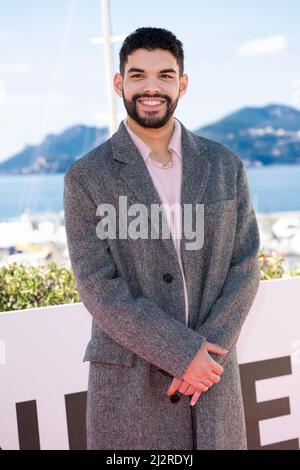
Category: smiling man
<point>166,319</point>
<point>150,108</point>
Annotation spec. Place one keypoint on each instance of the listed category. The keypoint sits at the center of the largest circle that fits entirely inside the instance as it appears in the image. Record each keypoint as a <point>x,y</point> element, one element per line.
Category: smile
<point>151,103</point>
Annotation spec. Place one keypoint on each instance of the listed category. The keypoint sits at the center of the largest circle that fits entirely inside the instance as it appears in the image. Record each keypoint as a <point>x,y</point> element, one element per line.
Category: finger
<point>183,387</point>
<point>191,390</point>
<point>217,368</point>
<point>176,382</point>
<point>207,382</point>
<point>200,386</point>
<point>215,378</point>
<point>216,349</point>
<point>195,397</point>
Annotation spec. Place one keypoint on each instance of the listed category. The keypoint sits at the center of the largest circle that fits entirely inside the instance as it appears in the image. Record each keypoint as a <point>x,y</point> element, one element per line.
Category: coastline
<point>37,238</point>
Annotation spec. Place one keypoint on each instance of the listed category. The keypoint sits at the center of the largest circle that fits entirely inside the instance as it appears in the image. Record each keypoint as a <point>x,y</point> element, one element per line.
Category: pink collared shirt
<point>168,185</point>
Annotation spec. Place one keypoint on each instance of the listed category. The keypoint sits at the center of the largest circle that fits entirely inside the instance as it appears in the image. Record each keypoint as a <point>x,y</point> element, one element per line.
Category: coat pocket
<point>107,351</point>
<point>220,206</point>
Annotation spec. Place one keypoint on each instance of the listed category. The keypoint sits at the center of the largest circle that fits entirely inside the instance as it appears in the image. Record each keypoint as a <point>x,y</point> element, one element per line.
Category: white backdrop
<point>41,353</point>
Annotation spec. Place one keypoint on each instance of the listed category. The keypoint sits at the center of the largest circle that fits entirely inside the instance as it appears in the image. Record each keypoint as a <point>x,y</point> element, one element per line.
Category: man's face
<point>151,87</point>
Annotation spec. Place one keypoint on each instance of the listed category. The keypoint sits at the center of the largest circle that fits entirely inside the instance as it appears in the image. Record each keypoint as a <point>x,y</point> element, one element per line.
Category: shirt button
<point>174,398</point>
<point>168,278</point>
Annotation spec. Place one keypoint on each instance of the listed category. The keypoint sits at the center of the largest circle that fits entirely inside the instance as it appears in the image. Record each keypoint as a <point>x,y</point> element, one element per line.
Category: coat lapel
<point>195,172</point>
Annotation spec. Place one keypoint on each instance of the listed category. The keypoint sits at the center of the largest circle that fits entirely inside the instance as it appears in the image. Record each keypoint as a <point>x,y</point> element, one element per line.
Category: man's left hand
<point>187,389</point>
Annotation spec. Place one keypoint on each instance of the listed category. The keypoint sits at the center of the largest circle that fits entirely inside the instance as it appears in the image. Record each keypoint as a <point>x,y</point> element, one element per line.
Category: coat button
<point>168,278</point>
<point>174,398</point>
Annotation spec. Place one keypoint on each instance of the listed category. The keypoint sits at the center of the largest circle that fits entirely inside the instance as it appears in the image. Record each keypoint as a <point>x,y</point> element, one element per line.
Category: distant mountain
<point>260,136</point>
<point>56,153</point>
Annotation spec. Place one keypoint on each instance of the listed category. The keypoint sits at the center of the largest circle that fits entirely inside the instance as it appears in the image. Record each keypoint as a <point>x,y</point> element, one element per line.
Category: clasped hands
<point>202,373</point>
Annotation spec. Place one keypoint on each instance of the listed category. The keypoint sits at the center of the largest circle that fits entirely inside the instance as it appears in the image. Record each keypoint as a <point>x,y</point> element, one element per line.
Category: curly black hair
<point>152,38</point>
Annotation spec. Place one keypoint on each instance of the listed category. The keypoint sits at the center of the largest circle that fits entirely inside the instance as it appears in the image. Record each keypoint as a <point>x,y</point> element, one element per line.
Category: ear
<point>118,84</point>
<point>183,84</point>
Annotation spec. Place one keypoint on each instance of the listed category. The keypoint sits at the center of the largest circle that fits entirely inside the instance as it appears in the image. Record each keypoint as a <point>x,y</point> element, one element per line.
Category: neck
<point>156,139</point>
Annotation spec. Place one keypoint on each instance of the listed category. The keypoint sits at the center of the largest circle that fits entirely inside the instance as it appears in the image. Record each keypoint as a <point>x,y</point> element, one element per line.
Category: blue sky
<point>236,54</point>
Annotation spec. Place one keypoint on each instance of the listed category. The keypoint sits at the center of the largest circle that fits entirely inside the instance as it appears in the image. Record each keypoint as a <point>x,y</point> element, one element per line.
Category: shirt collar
<point>174,144</point>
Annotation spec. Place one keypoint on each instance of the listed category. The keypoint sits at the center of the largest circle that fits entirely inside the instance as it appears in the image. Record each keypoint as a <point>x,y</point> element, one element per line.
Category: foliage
<point>23,286</point>
<point>272,266</point>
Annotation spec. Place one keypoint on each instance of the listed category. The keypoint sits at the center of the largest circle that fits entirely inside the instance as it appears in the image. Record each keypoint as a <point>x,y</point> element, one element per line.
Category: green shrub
<point>23,286</point>
<point>271,267</point>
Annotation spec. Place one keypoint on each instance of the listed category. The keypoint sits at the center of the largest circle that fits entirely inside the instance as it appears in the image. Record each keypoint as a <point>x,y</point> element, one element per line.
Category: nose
<point>152,87</point>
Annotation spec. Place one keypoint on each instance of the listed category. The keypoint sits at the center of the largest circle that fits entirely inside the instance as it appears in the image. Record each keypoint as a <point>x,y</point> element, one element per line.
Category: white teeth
<point>151,103</point>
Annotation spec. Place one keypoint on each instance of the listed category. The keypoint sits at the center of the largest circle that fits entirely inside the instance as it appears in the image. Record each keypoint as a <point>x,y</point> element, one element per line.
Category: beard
<point>151,119</point>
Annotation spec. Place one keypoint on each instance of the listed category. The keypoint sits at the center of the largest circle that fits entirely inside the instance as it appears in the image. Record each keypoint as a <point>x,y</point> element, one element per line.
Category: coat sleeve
<point>137,323</point>
<point>227,315</point>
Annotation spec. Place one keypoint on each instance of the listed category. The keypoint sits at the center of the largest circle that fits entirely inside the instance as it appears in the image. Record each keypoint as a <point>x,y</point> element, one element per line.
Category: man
<point>166,313</point>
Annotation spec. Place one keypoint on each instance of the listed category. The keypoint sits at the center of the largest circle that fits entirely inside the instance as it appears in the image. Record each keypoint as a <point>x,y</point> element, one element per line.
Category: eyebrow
<point>135,69</point>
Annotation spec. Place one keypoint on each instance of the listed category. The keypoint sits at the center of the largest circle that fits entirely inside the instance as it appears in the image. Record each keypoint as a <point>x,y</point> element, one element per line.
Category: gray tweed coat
<point>133,290</point>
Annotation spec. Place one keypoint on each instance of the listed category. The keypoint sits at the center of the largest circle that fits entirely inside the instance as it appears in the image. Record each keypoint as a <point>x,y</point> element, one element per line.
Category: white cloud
<point>14,68</point>
<point>4,34</point>
<point>3,92</point>
<point>101,39</point>
<point>260,46</point>
<point>7,35</point>
<point>296,93</point>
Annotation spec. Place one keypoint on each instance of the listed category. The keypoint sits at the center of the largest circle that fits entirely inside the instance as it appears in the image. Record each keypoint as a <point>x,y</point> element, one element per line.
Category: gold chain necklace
<point>162,165</point>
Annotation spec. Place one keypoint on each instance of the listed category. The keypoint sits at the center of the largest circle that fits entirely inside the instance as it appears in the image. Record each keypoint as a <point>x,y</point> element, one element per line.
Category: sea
<point>273,189</point>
